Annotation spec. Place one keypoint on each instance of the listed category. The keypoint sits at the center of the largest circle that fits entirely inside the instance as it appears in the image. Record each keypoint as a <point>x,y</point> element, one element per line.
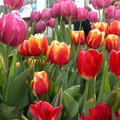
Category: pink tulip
<point>93,16</point>
<point>13,29</point>
<point>117,15</point>
<point>35,16</point>
<point>81,13</point>
<point>67,8</point>
<point>46,14</point>
<point>110,12</point>
<point>100,4</point>
<point>51,22</point>
<point>59,1</point>
<point>55,10</point>
<point>40,27</point>
<point>13,4</point>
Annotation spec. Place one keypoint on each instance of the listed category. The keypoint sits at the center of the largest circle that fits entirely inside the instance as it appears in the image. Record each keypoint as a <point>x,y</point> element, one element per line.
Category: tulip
<point>110,12</point>
<point>40,83</point>
<point>117,15</point>
<point>81,14</point>
<point>101,112</point>
<point>109,21</point>
<point>78,37</point>
<point>46,14</point>
<point>13,29</point>
<point>58,53</point>
<point>51,22</point>
<point>31,62</point>
<point>59,1</point>
<point>83,117</point>
<point>35,16</point>
<point>115,28</point>
<point>117,114</point>
<point>112,42</point>
<point>13,4</point>
<point>23,49</point>
<point>114,62</point>
<point>100,4</point>
<point>88,63</point>
<point>102,26</point>
<point>38,44</point>
<point>42,110</point>
<point>95,38</point>
<point>93,16</point>
<point>55,10</point>
<point>67,8</point>
<point>40,27</point>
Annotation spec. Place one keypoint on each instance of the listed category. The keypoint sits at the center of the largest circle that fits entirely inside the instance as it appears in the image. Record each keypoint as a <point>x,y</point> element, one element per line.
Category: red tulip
<point>83,117</point>
<point>102,26</point>
<point>40,83</point>
<point>114,62</point>
<point>23,49</point>
<point>101,112</point>
<point>13,4</point>
<point>112,42</point>
<point>38,44</point>
<point>13,34</point>
<point>95,38</point>
<point>89,63</point>
<point>115,28</point>
<point>78,37</point>
<point>35,16</point>
<point>46,14</point>
<point>58,53</point>
<point>42,110</point>
<point>117,114</point>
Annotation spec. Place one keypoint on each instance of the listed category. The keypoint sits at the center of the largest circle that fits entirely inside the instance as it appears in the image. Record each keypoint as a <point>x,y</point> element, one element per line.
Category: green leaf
<point>9,113</point>
<point>70,104</point>
<point>72,91</point>
<point>17,91</point>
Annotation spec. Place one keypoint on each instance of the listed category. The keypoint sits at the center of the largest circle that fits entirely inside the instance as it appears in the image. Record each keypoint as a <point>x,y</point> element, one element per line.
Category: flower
<point>13,5</point>
<point>112,42</point>
<point>101,112</point>
<point>117,114</point>
<point>83,117</point>
<point>13,34</point>
<point>78,37</point>
<point>40,83</point>
<point>38,44</point>
<point>42,110</point>
<point>117,15</point>
<point>35,16</point>
<point>88,63</point>
<point>114,62</point>
<point>51,22</point>
<point>95,38</point>
<point>23,49</point>
<point>58,53</point>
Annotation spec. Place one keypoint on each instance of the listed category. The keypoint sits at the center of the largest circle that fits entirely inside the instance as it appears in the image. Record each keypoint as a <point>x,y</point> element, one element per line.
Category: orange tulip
<point>78,37</point>
<point>102,26</point>
<point>112,42</point>
<point>23,49</point>
<point>114,62</point>
<point>58,53</point>
<point>95,38</point>
<point>40,83</point>
<point>38,44</point>
<point>88,63</point>
<point>115,28</point>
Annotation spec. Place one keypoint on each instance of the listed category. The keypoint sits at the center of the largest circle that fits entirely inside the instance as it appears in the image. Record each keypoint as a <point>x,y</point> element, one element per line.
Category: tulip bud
<point>58,53</point>
<point>46,14</point>
<point>35,16</point>
<point>59,1</point>
<point>51,22</point>
<point>88,63</point>
<point>12,34</point>
<point>42,110</point>
<point>13,5</point>
<point>78,37</point>
<point>38,44</point>
<point>40,83</point>
<point>95,38</point>
<point>117,15</point>
<point>112,42</point>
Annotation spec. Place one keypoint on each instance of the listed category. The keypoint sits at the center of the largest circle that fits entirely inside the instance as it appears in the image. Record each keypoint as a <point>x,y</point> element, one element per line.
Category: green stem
<point>117,84</point>
<point>80,27</point>
<point>103,19</point>
<point>56,27</point>
<point>69,22</point>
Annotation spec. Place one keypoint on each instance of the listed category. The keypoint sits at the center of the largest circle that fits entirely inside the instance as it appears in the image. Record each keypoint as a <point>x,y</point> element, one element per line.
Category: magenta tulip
<point>35,16</point>
<point>13,29</point>
<point>59,1</point>
<point>110,12</point>
<point>51,22</point>
<point>93,16</point>
<point>46,14</point>
<point>117,15</point>
<point>13,4</point>
<point>81,13</point>
<point>40,27</point>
